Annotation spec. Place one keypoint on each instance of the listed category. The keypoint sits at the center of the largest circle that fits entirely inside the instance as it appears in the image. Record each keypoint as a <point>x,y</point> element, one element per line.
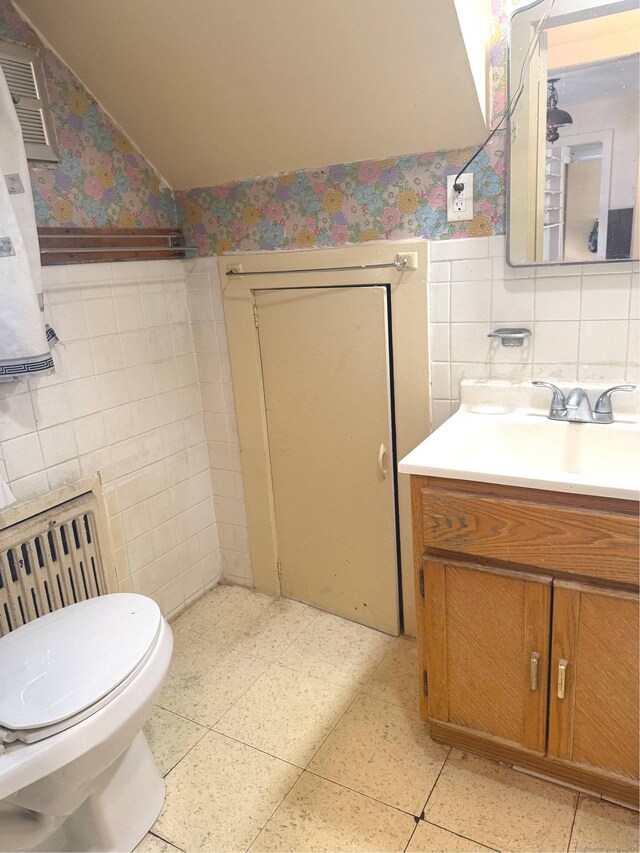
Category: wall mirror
<point>573,187</point>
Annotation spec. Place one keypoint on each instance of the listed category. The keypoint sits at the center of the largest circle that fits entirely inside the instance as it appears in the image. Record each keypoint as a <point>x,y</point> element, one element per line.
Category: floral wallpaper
<point>101,180</point>
<point>394,199</point>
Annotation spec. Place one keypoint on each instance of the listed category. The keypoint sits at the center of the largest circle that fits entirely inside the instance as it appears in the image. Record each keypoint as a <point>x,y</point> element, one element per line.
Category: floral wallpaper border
<point>394,199</point>
<point>101,180</point>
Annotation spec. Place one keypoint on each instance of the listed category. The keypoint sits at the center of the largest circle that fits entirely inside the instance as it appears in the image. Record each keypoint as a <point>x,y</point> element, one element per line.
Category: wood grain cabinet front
<point>528,629</point>
<point>488,651</point>
<point>593,711</point>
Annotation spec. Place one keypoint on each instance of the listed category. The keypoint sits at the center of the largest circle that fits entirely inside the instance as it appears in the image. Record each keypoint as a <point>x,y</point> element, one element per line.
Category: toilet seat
<point>65,666</point>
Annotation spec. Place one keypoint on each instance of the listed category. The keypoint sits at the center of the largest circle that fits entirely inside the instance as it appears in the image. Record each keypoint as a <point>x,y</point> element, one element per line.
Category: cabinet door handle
<point>562,677</point>
<point>533,671</point>
<point>381,454</point>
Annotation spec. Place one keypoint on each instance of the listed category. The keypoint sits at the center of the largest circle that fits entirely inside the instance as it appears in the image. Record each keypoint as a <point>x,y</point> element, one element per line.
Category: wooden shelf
<point>100,245</point>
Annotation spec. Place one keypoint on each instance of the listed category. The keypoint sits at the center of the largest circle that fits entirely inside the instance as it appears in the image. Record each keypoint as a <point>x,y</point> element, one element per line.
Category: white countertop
<point>501,434</point>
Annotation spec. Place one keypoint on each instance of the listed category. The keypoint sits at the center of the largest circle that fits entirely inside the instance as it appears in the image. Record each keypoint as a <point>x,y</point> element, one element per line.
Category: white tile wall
<point>125,402</point>
<point>204,296</point>
<point>584,320</point>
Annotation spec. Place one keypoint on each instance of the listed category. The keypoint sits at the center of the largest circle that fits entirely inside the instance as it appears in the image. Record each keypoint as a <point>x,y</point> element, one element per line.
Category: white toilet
<point>76,688</point>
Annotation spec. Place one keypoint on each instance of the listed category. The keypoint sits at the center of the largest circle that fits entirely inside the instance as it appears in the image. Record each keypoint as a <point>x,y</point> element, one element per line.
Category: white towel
<point>24,349</point>
<point>6,495</point>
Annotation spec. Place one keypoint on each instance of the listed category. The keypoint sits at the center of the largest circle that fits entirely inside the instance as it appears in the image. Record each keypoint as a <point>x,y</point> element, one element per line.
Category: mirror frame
<point>533,264</point>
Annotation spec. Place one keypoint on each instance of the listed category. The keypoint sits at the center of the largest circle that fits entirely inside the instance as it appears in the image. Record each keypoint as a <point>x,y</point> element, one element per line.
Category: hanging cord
<point>513,103</point>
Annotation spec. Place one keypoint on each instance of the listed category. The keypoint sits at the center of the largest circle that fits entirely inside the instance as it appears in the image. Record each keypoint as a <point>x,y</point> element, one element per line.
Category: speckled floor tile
<point>216,644</point>
<point>286,714</point>
<point>432,839</point>
<point>383,751</point>
<point>152,844</point>
<point>603,826</point>
<point>395,679</point>
<point>318,815</point>
<point>221,795</point>
<point>276,628</point>
<point>202,686</point>
<point>171,737</point>
<point>500,807</point>
<point>337,650</point>
<point>223,614</point>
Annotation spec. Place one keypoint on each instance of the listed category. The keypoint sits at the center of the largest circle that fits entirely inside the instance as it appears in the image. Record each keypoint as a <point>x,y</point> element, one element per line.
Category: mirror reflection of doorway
<point>592,152</point>
<point>577,190</point>
<point>584,226</point>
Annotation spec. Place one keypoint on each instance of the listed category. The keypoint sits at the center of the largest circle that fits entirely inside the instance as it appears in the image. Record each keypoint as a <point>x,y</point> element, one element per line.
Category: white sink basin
<point>493,441</point>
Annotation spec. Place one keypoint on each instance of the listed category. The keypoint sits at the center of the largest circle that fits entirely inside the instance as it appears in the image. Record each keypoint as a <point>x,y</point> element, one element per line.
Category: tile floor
<point>282,728</point>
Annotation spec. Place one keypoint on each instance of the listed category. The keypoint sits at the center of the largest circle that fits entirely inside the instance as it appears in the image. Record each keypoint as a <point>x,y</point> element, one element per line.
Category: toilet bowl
<point>76,688</point>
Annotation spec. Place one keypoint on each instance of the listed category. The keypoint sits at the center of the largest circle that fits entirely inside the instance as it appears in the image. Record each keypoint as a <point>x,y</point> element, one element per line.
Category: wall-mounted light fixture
<point>555,117</point>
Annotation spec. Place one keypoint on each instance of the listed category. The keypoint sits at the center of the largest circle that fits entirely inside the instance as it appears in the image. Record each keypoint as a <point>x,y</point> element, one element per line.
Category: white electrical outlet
<point>459,201</point>
<point>460,204</point>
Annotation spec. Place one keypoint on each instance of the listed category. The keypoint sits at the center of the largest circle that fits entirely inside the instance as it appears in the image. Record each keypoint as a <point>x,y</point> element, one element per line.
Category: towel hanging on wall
<point>24,346</point>
<point>6,495</point>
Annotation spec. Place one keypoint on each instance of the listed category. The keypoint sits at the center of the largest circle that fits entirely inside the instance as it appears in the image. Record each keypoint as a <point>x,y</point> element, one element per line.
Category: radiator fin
<point>49,561</point>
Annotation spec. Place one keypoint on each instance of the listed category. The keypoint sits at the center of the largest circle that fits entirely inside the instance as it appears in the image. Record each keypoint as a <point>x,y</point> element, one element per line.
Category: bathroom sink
<point>496,437</point>
<point>542,445</point>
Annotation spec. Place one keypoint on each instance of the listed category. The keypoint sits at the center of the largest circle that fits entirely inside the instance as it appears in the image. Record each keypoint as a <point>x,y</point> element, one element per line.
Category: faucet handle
<point>558,401</point>
<point>603,403</point>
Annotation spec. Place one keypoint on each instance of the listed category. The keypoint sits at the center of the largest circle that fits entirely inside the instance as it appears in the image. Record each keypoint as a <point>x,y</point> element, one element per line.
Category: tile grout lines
<point>573,822</point>
<point>211,728</point>
<point>433,787</point>
<point>360,794</point>
<point>357,693</point>
<point>159,837</point>
<point>422,813</point>
<point>265,824</point>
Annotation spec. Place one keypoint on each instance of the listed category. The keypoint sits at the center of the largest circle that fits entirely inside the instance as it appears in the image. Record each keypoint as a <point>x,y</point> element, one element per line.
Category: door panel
<point>483,628</point>
<point>596,723</point>
<point>325,363</point>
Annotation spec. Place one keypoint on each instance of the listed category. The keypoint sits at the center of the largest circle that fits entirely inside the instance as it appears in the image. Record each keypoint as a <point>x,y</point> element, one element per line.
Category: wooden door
<point>325,363</point>
<point>593,717</point>
<point>487,641</point>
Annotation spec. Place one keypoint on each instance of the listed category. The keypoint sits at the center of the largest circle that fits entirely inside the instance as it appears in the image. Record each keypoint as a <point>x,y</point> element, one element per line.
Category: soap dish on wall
<point>511,337</point>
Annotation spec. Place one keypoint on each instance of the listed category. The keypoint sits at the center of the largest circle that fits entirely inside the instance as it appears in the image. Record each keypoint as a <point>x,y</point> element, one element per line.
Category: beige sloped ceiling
<point>216,90</point>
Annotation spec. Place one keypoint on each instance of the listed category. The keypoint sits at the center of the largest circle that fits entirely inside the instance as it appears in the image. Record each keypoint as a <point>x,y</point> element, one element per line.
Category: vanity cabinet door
<point>593,705</point>
<point>487,645</point>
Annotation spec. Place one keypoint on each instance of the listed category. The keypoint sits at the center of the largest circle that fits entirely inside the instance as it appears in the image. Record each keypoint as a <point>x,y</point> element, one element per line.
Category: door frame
<point>605,137</point>
<point>410,375</point>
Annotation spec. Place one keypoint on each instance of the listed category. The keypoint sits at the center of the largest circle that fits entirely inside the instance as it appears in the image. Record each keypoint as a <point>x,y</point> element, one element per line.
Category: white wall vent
<point>22,67</point>
<point>49,561</point>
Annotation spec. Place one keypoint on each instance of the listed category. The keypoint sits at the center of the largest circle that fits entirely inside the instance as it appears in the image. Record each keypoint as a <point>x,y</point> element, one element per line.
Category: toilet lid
<point>60,664</point>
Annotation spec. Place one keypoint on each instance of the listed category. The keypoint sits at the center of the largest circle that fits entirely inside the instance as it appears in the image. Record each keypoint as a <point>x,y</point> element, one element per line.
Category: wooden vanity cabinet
<point>528,629</point>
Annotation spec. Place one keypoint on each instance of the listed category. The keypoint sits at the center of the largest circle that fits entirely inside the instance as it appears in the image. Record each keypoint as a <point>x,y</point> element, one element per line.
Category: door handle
<point>381,454</point>
<point>562,677</point>
<point>533,671</point>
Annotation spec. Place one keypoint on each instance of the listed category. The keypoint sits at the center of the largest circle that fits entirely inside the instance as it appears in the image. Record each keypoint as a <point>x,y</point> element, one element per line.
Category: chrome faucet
<point>576,408</point>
